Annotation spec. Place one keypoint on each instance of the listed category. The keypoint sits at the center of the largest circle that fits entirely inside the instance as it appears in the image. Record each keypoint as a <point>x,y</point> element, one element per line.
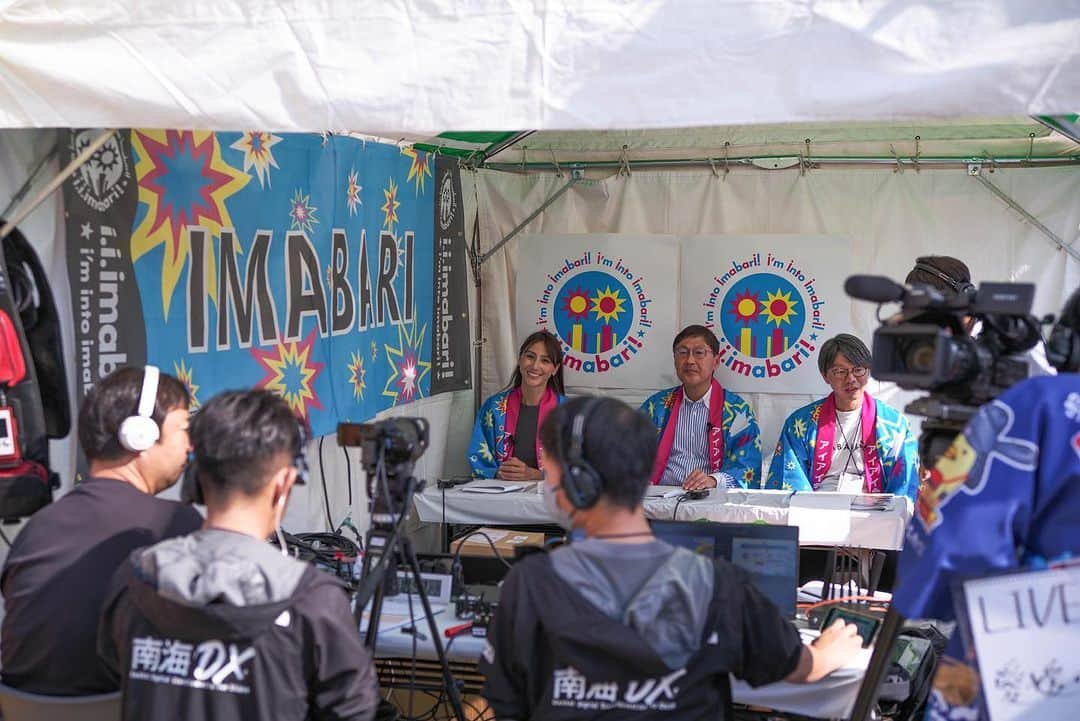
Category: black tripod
<point>386,546</point>
<point>870,688</point>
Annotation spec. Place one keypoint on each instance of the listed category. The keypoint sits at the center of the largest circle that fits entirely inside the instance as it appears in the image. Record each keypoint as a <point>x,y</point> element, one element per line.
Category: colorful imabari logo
<point>768,316</point>
<point>599,309</point>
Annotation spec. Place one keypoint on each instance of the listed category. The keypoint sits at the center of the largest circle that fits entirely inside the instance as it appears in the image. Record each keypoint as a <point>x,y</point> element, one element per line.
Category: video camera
<point>929,346</point>
<point>388,450</point>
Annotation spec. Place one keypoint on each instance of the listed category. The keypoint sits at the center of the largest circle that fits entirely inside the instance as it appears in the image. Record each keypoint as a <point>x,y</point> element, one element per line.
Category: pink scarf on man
<point>715,430</point>
<point>873,473</point>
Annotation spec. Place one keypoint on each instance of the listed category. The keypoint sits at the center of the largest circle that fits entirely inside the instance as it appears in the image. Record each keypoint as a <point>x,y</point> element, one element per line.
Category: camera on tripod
<point>388,451</point>
<point>929,346</point>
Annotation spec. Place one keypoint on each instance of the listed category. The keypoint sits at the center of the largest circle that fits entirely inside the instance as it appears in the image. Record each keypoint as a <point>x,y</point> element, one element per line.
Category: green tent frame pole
<point>478,339</point>
<point>576,176</point>
<point>975,171</point>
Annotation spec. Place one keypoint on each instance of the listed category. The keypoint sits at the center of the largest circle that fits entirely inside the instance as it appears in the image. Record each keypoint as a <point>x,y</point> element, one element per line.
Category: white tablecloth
<point>882,530</point>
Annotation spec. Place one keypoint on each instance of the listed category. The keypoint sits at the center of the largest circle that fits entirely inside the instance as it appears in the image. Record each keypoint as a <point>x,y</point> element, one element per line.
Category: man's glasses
<point>699,353</point>
<point>842,373</point>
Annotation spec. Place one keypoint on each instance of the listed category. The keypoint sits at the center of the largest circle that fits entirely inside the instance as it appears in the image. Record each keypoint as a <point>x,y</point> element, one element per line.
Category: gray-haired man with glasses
<point>847,441</point>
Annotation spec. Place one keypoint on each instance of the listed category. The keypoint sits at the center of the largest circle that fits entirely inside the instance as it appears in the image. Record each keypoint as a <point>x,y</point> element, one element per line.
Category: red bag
<point>12,365</point>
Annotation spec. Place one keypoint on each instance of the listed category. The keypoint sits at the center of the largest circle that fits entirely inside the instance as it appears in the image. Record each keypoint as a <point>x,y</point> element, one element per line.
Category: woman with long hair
<point>505,441</point>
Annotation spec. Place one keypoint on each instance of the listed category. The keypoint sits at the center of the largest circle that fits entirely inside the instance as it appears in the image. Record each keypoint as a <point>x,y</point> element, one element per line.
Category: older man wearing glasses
<point>847,441</point>
<point>707,435</point>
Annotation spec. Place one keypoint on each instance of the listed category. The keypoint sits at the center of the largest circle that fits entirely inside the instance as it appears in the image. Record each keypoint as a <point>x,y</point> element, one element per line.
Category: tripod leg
<point>829,574</point>
<point>376,539</point>
<point>876,566</point>
<point>448,678</point>
<point>372,633</point>
<point>870,687</point>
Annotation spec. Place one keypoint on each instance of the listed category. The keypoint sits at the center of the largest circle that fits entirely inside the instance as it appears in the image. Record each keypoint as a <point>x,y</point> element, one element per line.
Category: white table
<point>832,697</point>
<point>882,530</point>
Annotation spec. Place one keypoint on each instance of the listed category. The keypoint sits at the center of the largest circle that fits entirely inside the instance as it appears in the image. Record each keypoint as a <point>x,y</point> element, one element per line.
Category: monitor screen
<point>769,554</point>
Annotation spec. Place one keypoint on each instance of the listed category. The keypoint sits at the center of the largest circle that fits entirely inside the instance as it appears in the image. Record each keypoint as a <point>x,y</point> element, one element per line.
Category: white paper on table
<point>663,491</point>
<point>495,488</point>
<point>872,502</point>
<point>492,533</point>
<point>821,517</point>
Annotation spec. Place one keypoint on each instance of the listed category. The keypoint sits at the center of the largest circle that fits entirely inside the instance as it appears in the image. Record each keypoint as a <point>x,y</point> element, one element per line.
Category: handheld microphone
<point>875,288</point>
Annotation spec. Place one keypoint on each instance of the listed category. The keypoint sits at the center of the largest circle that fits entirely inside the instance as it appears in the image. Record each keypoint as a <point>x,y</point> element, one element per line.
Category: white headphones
<point>139,432</point>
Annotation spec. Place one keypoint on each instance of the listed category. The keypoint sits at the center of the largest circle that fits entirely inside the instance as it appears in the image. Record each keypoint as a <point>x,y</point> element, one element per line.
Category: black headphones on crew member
<point>580,481</point>
<point>960,287</point>
<point>191,490</point>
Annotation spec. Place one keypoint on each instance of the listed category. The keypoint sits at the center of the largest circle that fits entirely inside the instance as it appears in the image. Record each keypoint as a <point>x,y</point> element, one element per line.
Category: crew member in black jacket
<point>133,429</point>
<point>221,625</point>
<point>621,624</point>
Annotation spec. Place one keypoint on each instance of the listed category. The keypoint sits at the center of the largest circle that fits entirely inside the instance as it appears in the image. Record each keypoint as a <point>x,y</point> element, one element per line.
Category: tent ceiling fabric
<point>398,67</point>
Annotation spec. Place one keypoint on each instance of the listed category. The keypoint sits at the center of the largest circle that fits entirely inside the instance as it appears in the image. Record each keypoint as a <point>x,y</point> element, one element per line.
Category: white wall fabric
<point>450,416</point>
<point>398,67</point>
<point>890,218</point>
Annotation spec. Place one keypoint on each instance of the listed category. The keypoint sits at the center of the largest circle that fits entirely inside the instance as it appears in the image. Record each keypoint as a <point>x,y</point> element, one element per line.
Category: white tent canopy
<point>400,68</point>
<point>669,79</point>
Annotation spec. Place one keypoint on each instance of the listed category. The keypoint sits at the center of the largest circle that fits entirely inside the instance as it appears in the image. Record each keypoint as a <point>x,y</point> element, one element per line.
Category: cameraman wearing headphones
<point>621,621</point>
<point>133,429</point>
<point>1005,495</point>
<point>952,277</point>
<point>220,624</point>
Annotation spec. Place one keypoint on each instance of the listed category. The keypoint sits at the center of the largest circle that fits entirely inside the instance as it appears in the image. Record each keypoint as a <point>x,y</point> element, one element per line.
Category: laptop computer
<point>770,554</point>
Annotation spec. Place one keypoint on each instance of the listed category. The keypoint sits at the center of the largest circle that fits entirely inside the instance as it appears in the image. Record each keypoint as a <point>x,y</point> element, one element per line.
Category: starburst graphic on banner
<point>256,145</point>
<point>419,169</point>
<point>183,181</point>
<point>291,373</point>
<point>607,304</point>
<point>745,308</point>
<point>406,369</point>
<point>352,192</point>
<point>389,208</point>
<point>356,376</point>
<point>778,308</point>
<point>185,375</point>
<point>576,304</point>
<point>302,212</point>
